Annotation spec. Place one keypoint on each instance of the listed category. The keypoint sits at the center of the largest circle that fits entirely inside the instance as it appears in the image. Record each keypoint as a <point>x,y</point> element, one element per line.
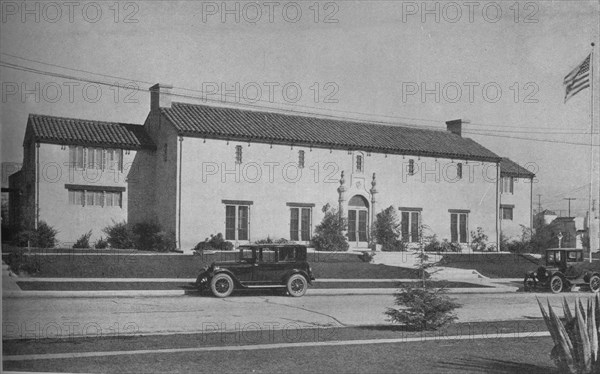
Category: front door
<point>358,221</point>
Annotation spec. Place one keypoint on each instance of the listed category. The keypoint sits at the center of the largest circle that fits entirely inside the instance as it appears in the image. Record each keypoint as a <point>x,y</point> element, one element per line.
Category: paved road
<point>64,317</point>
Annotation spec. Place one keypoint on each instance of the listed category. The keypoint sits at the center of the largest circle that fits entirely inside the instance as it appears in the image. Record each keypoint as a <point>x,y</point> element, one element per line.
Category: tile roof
<point>60,130</point>
<point>269,127</point>
<point>510,168</point>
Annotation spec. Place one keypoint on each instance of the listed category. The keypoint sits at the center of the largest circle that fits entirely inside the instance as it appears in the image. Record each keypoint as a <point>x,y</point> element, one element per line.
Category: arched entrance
<point>358,221</point>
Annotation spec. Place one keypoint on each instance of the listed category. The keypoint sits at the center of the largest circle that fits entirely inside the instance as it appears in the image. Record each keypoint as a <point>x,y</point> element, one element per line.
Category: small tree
<point>479,240</point>
<point>42,237</point>
<point>119,235</point>
<point>214,243</point>
<point>424,307</point>
<point>387,230</point>
<point>101,243</point>
<point>329,234</point>
<point>83,241</point>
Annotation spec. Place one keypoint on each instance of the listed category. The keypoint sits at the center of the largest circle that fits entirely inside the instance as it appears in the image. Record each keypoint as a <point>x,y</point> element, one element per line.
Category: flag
<point>578,79</point>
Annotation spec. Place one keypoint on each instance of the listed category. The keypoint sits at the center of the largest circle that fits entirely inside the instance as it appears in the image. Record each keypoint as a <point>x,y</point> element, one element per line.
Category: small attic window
<point>238,154</point>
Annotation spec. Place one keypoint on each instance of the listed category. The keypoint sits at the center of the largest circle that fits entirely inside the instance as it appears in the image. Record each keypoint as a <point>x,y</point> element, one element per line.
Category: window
<point>300,224</point>
<point>94,196</point>
<point>114,159</point>
<point>411,167</point>
<point>410,219</point>
<point>95,158</point>
<point>89,198</point>
<point>459,170</point>
<point>458,226</point>
<point>99,158</point>
<point>90,159</point>
<point>507,185</point>
<point>237,220</point>
<point>359,164</point>
<point>506,212</point>
<point>238,154</point>
<point>76,156</point>
<point>75,197</point>
<point>301,159</point>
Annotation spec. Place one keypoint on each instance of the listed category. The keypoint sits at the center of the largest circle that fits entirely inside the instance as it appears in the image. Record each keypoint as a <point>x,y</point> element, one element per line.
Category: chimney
<point>455,126</point>
<point>160,96</point>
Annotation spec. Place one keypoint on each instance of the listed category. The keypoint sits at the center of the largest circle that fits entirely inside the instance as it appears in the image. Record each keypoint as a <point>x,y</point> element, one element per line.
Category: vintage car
<point>281,267</point>
<point>564,268</point>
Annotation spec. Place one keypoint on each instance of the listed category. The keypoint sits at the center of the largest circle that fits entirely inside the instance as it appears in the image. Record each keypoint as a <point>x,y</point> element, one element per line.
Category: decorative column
<point>373,191</point>
<point>342,198</point>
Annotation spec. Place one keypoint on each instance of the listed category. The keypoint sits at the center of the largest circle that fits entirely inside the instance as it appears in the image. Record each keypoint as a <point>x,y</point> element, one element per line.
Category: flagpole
<point>590,201</point>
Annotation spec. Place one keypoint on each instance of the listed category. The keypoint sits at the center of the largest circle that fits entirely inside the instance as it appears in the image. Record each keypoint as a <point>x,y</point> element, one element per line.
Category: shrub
<point>144,235</point>
<point>42,237</point>
<point>366,256</point>
<point>329,234</point>
<point>214,243</point>
<point>423,308</point>
<point>83,241</point>
<point>575,337</point>
<point>268,240</point>
<point>164,241</point>
<point>119,235</point>
<point>434,245</point>
<point>19,262</point>
<point>386,231</point>
<point>479,240</point>
<point>101,243</point>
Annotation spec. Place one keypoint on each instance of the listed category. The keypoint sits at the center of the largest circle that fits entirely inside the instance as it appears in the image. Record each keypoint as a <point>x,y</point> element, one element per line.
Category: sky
<point>499,65</point>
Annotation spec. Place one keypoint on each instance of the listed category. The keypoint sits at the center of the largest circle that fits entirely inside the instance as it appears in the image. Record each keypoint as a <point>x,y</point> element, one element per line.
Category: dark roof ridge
<point>318,116</point>
<point>84,119</point>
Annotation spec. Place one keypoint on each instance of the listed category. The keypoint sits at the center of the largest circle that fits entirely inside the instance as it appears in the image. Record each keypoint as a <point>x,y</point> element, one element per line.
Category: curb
<point>176,293</point>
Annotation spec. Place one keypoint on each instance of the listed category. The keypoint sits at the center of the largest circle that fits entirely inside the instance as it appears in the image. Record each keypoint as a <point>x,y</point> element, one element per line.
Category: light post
<point>559,236</point>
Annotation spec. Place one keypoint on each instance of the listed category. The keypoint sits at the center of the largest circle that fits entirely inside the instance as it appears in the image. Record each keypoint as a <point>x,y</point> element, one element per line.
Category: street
<point>94,317</point>
<point>195,333</point>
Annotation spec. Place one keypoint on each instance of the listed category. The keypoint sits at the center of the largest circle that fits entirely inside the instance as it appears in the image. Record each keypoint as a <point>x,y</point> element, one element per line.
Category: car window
<point>246,255</point>
<point>572,257</point>
<point>553,258</point>
<point>287,254</point>
<point>266,255</point>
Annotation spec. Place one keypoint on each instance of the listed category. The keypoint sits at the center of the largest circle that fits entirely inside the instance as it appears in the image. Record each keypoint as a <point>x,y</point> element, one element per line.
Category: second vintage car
<point>563,269</point>
<point>278,266</point>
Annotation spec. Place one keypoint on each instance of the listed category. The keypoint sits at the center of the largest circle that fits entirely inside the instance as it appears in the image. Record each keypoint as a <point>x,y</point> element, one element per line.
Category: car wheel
<point>221,285</point>
<point>556,284</point>
<point>297,285</point>
<point>595,283</point>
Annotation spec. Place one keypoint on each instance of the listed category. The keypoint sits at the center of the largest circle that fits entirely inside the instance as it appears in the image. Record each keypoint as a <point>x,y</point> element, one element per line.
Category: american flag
<point>578,79</point>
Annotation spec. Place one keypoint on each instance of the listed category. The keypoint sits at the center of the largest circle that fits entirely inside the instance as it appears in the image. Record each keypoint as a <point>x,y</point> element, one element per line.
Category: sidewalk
<point>12,290</point>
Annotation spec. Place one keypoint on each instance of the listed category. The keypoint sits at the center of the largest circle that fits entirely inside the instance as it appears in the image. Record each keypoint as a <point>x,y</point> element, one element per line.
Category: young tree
<point>423,307</point>
<point>329,234</point>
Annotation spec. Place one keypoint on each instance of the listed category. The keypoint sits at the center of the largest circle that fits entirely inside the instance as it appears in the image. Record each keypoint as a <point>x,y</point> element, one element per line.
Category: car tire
<point>297,285</point>
<point>594,283</point>
<point>556,284</point>
<point>221,285</point>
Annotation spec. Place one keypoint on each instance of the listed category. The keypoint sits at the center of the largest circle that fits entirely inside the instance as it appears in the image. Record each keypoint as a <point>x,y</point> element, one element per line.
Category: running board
<point>268,286</point>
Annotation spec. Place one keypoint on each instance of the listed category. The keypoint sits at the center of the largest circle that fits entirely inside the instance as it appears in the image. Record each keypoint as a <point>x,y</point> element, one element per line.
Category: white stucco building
<point>74,175</point>
<point>199,170</point>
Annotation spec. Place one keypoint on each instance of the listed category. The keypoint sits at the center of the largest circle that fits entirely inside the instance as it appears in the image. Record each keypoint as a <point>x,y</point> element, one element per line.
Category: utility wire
<point>95,81</point>
<point>304,106</point>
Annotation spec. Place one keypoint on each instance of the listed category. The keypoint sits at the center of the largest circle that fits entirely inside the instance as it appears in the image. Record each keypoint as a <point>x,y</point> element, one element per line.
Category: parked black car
<point>276,266</point>
<point>563,269</point>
